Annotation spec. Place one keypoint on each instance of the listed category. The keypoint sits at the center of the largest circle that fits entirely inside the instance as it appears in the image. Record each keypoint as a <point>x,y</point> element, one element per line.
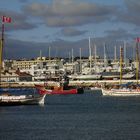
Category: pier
<point>81,83</point>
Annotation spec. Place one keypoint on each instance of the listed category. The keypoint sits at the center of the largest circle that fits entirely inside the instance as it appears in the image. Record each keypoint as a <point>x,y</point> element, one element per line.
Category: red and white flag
<point>6,19</point>
<point>138,39</point>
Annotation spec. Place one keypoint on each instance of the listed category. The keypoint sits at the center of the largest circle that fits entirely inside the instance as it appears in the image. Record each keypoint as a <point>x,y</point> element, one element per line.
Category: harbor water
<point>88,116</point>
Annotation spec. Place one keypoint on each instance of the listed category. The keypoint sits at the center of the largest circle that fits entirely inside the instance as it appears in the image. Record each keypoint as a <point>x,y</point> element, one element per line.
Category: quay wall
<point>71,83</point>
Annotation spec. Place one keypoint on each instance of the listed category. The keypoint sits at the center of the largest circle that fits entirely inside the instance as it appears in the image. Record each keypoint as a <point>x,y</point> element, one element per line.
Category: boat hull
<point>69,90</point>
<point>19,100</point>
<point>89,77</point>
<point>47,91</point>
<point>106,92</point>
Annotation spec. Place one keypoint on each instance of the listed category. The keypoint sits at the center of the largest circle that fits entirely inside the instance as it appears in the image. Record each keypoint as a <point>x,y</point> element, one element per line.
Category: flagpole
<point>4,20</point>
<point>1,49</point>
<point>3,29</point>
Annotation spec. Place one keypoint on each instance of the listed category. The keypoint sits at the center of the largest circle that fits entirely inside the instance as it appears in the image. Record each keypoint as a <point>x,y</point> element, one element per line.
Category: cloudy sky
<point>64,25</point>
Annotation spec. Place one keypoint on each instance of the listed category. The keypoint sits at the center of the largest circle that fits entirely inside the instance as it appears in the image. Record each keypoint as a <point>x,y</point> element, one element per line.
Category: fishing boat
<point>6,97</point>
<point>58,90</point>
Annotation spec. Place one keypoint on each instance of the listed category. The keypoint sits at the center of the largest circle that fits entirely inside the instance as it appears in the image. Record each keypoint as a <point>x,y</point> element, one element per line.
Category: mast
<point>125,53</point>
<point>95,53</point>
<point>90,54</point>
<point>80,61</point>
<point>69,57</point>
<point>105,59</point>
<point>0,59</point>
<point>40,54</point>
<point>137,61</point>
<point>49,53</point>
<point>121,62</point>
<point>115,53</point>
<point>5,19</point>
<point>1,49</point>
<point>72,56</point>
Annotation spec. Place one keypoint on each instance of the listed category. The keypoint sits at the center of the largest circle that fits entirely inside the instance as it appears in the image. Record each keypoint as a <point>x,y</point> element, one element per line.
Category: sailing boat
<point>129,89</point>
<point>91,75</point>
<point>9,99</point>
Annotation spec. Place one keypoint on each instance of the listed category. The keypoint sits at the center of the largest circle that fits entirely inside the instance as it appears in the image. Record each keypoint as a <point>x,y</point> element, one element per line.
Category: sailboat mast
<point>105,58</point>
<point>95,53</point>
<point>49,53</point>
<point>40,54</point>
<point>80,61</point>
<point>125,53</point>
<point>90,53</point>
<point>0,59</point>
<point>137,62</point>
<point>72,57</point>
<point>115,54</point>
<point>121,62</point>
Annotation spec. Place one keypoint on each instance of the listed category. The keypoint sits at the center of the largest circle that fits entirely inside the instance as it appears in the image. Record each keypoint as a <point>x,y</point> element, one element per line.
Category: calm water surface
<point>73,117</point>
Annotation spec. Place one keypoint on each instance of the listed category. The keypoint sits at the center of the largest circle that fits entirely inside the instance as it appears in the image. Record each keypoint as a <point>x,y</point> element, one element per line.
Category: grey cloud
<point>72,32</point>
<point>120,34</point>
<point>70,13</point>
<point>23,1</point>
<point>67,21</point>
<point>131,15</point>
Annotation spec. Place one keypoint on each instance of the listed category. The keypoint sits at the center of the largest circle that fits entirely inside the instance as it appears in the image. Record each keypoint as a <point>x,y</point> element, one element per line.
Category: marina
<point>69,70</point>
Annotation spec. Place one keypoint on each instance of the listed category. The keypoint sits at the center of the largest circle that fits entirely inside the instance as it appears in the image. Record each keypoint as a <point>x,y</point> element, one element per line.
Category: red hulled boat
<point>58,90</point>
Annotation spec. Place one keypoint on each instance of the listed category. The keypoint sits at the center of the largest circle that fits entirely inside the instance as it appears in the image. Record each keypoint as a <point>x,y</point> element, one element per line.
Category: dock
<point>82,83</point>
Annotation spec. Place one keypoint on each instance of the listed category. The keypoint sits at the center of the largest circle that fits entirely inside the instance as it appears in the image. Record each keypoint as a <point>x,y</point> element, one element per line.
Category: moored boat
<point>89,77</point>
<point>129,89</point>
<point>6,99</point>
<point>121,92</point>
<point>58,90</point>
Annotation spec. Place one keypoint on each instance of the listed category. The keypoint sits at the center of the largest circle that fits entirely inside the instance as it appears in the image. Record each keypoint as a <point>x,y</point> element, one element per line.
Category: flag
<point>6,19</point>
<point>138,39</point>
